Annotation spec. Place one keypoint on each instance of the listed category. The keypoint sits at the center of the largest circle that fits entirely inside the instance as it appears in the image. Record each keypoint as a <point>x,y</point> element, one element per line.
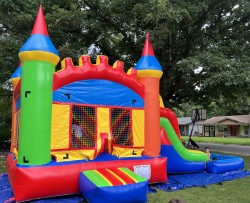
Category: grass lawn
<point>2,163</point>
<point>230,191</point>
<point>220,140</point>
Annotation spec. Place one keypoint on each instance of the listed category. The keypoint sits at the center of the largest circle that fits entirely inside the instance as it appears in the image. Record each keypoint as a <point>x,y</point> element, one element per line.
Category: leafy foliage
<point>203,46</point>
<point>5,114</point>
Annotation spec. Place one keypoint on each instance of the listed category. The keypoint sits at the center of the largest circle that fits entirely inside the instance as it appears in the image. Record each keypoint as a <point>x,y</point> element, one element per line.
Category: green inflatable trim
<point>96,178</point>
<point>181,150</point>
<point>35,114</point>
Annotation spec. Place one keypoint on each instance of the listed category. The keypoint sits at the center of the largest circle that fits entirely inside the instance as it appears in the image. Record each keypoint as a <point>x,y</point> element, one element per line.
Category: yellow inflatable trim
<point>149,73</point>
<point>127,152</point>
<point>39,56</point>
<point>72,155</point>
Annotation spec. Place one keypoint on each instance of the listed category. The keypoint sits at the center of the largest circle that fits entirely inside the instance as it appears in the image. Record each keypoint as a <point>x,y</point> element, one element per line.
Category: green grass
<point>230,191</point>
<point>220,140</point>
<point>2,163</point>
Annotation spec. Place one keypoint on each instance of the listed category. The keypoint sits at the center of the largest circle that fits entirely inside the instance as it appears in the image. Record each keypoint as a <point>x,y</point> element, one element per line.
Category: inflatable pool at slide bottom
<point>220,163</point>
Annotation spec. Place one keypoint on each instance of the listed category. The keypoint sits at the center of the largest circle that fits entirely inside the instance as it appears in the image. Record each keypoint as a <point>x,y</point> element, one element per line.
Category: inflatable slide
<point>180,159</point>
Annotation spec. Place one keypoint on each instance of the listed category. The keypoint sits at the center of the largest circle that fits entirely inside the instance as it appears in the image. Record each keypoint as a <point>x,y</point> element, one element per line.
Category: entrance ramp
<point>113,185</point>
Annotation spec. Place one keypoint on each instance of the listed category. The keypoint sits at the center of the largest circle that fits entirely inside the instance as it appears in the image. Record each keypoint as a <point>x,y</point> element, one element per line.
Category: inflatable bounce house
<point>93,129</point>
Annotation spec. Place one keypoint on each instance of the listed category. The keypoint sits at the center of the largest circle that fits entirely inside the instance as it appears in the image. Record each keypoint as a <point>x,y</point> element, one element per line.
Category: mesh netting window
<point>121,128</point>
<point>83,127</point>
<point>17,129</point>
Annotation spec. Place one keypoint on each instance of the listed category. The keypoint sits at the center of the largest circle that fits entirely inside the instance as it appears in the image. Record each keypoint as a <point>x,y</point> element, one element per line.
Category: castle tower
<point>39,57</point>
<point>149,72</point>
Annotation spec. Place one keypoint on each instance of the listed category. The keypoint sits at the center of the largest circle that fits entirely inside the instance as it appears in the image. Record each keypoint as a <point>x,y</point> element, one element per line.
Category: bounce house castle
<point>93,129</point>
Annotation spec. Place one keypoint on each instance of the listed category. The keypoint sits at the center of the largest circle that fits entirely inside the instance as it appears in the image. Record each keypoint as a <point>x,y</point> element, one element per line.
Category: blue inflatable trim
<point>223,163</point>
<point>17,73</point>
<point>88,92</point>
<point>101,158</point>
<point>148,63</point>
<point>18,103</point>
<point>38,42</point>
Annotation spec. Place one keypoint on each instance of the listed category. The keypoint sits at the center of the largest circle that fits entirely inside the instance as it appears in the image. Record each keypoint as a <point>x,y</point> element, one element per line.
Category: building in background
<point>223,126</point>
<point>185,125</point>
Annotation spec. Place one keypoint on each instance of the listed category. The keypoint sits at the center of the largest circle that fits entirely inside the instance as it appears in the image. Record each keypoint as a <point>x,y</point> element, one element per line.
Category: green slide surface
<point>181,150</point>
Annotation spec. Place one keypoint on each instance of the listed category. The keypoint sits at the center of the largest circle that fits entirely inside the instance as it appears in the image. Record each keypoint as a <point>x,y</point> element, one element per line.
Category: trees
<point>202,45</point>
<point>206,35</point>
<point>5,115</point>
